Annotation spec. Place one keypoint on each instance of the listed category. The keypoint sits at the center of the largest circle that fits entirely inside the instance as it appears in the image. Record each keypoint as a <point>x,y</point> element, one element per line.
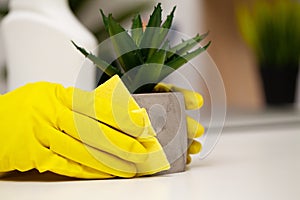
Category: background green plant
<point>272,29</point>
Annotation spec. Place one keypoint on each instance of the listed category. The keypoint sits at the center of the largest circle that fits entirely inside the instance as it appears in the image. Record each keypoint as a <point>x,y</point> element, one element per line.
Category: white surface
<point>255,163</point>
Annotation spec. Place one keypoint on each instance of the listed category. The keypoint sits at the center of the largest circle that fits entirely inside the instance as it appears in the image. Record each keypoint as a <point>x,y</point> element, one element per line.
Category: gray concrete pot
<point>167,115</point>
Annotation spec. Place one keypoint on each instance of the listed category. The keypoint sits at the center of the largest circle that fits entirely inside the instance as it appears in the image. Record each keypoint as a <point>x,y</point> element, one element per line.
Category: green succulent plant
<point>272,30</point>
<point>147,49</point>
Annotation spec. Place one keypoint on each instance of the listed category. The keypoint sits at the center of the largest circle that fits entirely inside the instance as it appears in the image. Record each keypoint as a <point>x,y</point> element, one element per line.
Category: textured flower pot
<point>167,115</point>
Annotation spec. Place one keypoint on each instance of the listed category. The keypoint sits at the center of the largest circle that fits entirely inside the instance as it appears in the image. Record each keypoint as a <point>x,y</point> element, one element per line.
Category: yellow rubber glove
<point>193,100</point>
<point>76,133</point>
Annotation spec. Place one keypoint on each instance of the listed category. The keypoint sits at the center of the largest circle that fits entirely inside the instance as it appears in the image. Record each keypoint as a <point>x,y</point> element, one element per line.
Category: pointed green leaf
<point>181,60</point>
<point>82,50</point>
<point>163,32</point>
<point>149,41</point>
<point>150,71</point>
<point>185,46</point>
<point>137,22</point>
<point>104,19</point>
<point>113,26</point>
<point>154,37</point>
<point>160,55</point>
<point>168,23</point>
<point>155,18</point>
<point>125,48</point>
<point>101,64</point>
<point>137,29</point>
<point>207,45</point>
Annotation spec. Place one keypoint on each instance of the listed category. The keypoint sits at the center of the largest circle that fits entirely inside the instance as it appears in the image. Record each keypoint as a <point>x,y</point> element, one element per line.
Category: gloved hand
<point>68,131</point>
<point>193,100</point>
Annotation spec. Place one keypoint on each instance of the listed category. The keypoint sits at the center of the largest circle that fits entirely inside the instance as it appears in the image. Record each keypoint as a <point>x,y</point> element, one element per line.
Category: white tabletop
<point>256,161</point>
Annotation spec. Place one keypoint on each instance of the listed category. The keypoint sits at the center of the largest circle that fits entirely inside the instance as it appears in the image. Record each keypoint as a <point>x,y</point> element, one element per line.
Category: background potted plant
<point>144,56</point>
<point>272,30</point>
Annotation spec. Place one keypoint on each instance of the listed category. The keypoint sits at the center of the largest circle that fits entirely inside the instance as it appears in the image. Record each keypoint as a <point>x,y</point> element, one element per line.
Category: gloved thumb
<point>193,100</point>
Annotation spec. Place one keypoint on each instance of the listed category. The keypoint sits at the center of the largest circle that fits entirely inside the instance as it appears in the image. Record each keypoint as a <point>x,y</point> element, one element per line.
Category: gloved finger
<point>195,147</point>
<point>188,159</point>
<point>146,153</point>
<point>76,151</point>
<point>111,103</point>
<point>101,136</point>
<point>194,129</point>
<point>60,165</point>
<point>193,100</point>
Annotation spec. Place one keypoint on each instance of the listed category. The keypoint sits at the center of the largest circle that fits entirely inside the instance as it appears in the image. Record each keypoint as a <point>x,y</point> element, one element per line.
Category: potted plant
<point>143,57</point>
<point>273,32</point>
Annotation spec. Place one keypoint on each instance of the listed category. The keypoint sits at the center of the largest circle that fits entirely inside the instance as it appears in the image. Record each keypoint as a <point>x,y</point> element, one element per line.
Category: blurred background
<point>236,60</point>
